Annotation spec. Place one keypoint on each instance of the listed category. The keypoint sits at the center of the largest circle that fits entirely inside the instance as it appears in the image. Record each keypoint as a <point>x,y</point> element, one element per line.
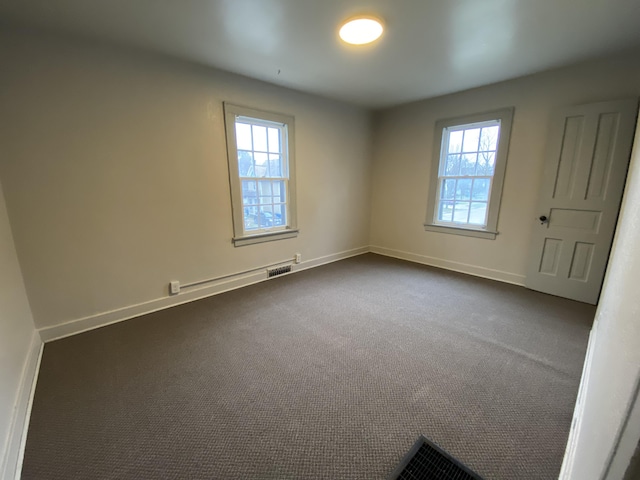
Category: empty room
<point>291,239</point>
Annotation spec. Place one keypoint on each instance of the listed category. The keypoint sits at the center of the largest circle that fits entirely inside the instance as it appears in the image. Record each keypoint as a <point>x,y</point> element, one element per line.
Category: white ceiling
<point>430,47</point>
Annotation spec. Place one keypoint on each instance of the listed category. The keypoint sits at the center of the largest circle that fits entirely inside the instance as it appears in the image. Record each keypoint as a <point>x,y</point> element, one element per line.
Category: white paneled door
<point>587,159</point>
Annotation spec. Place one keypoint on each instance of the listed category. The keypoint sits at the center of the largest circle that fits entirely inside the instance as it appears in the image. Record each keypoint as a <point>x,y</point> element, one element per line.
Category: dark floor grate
<point>427,461</point>
<point>273,272</point>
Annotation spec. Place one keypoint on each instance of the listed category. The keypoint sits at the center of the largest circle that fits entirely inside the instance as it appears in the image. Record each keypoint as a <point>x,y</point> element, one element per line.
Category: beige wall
<point>403,151</point>
<point>116,174</point>
<point>16,334</point>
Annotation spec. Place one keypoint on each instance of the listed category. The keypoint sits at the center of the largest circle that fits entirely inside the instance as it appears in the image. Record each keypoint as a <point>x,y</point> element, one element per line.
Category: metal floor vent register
<point>273,272</point>
<point>427,461</point>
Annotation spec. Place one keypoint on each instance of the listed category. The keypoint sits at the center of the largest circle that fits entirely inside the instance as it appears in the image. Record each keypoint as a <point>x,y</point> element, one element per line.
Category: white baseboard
<point>451,265</point>
<point>239,280</point>
<point>20,421</point>
<point>91,322</point>
<point>316,262</point>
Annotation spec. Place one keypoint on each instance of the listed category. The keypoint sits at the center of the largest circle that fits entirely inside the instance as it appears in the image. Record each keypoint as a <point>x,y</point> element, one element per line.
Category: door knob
<point>543,219</point>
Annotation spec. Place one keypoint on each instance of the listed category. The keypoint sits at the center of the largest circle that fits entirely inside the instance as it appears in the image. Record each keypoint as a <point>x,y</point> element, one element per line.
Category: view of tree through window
<point>467,165</point>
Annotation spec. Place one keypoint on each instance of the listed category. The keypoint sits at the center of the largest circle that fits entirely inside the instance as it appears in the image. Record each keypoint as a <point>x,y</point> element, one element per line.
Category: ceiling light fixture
<point>361,30</point>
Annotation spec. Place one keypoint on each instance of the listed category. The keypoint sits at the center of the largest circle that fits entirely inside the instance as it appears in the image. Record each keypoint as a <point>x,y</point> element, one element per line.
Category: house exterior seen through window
<point>260,169</point>
<point>467,174</point>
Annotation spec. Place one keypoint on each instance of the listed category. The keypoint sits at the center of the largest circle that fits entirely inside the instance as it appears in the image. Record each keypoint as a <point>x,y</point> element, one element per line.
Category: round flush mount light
<point>361,30</point>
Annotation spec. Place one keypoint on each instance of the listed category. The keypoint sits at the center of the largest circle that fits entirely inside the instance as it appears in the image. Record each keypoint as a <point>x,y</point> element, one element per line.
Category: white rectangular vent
<point>274,272</point>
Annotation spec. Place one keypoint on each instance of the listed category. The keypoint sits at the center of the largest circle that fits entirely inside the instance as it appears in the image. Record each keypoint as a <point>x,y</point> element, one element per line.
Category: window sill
<point>469,232</point>
<point>264,237</point>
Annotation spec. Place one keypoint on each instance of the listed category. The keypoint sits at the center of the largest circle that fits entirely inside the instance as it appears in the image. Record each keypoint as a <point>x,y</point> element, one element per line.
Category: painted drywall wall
<point>613,370</point>
<point>403,151</point>
<point>16,335</point>
<point>116,176</point>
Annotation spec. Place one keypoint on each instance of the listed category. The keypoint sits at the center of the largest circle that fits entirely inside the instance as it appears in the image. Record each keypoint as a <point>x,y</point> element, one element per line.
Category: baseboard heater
<point>427,461</point>
<point>273,270</point>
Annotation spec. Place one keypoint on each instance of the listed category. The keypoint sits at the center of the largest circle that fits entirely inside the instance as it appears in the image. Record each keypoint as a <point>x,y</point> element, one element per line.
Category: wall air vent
<point>274,272</point>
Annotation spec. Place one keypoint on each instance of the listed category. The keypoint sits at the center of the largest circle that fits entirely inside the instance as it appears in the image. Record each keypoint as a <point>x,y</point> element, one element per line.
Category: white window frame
<point>285,123</point>
<point>505,118</point>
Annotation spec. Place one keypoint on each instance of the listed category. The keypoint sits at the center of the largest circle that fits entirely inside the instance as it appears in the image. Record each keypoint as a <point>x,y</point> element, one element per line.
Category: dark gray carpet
<point>328,373</point>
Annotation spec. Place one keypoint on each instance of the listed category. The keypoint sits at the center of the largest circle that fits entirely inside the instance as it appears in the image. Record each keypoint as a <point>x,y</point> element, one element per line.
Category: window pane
<point>453,165</point>
<point>243,136</point>
<point>463,190</point>
<point>249,194</point>
<point>448,189</point>
<point>250,218</point>
<point>461,212</point>
<point>245,164</point>
<point>279,191</point>
<point>265,218</point>
<point>478,213</point>
<point>445,211</point>
<point>279,214</point>
<point>264,187</point>
<point>455,142</point>
<point>489,138</point>
<point>468,164</point>
<point>274,140</point>
<point>259,138</point>
<point>471,138</point>
<point>275,165</point>
<point>486,163</point>
<point>261,168</point>
<point>481,189</point>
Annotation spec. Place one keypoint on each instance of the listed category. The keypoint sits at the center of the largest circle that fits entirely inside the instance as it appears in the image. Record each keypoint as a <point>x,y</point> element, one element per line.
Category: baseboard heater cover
<point>427,461</point>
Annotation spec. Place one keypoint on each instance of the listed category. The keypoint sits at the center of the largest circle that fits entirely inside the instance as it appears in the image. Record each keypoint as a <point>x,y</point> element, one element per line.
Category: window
<point>261,174</point>
<point>467,174</point>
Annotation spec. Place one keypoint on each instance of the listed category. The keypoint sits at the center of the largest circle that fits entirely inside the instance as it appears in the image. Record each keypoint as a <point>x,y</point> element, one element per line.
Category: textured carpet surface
<point>327,373</point>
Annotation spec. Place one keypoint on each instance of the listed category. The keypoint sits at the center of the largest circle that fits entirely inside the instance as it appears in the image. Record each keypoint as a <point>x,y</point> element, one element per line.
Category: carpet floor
<point>327,373</point>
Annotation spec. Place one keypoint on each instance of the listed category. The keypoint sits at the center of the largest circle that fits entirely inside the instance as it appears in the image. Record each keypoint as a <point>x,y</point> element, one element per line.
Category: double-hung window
<point>467,174</point>
<point>261,174</point>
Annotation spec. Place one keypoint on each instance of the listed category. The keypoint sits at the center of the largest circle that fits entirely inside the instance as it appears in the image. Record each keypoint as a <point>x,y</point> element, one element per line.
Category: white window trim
<point>240,238</point>
<point>505,117</point>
